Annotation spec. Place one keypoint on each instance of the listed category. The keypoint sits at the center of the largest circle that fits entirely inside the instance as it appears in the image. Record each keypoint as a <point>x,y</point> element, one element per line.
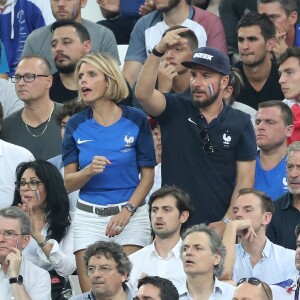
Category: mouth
<point>85,90</point>
<point>25,198</point>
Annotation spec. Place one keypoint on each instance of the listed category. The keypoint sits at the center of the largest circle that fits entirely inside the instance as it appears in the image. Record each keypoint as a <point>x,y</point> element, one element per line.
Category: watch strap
<point>157,53</point>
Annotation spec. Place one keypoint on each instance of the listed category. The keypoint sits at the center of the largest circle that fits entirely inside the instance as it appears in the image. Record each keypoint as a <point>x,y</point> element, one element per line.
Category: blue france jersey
<point>128,144</point>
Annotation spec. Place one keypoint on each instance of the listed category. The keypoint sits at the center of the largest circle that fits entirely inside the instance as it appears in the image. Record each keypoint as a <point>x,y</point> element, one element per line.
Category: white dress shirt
<point>148,261</point>
<point>61,259</point>
<point>35,280</point>
<point>221,291</point>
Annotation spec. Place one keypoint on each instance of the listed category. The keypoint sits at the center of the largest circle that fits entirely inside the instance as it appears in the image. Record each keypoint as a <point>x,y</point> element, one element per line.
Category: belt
<point>103,211</point>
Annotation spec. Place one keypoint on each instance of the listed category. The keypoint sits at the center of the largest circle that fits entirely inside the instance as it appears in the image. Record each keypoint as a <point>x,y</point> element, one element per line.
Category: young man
<point>284,14</point>
<point>70,42</point>
<point>39,41</point>
<point>203,257</point>
<point>156,288</point>
<point>169,210</point>
<point>202,147</point>
<point>19,278</point>
<point>256,39</point>
<point>108,268</point>
<point>273,126</point>
<point>289,72</point>
<point>149,29</point>
<point>254,255</point>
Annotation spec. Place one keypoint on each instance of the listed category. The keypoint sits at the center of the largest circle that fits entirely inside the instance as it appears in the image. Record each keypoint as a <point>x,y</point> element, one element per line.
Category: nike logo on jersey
<point>190,120</point>
<point>79,141</point>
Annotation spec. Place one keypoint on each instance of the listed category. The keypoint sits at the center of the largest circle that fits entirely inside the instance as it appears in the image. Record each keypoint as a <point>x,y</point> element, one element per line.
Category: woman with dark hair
<point>41,193</point>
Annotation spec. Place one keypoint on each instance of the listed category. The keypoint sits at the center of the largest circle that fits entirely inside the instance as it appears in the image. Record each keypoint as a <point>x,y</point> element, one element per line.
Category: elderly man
<point>108,268</point>
<point>19,278</point>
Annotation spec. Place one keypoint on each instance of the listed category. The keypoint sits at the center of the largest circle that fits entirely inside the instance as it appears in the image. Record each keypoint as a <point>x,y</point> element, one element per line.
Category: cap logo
<point>203,55</point>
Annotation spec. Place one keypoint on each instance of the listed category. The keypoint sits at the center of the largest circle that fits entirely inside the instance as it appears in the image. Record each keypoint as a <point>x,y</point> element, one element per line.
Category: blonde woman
<point>105,148</point>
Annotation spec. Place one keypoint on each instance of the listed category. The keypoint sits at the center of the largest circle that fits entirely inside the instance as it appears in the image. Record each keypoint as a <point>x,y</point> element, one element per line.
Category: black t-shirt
<point>59,93</point>
<point>270,91</point>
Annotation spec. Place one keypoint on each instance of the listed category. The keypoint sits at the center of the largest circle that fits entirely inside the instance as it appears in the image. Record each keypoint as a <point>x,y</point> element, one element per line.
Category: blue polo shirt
<point>128,144</point>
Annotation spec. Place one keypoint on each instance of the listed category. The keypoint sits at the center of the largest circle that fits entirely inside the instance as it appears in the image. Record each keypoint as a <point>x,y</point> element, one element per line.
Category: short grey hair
<point>14,212</point>
<point>216,245</point>
<point>109,250</point>
<point>291,148</point>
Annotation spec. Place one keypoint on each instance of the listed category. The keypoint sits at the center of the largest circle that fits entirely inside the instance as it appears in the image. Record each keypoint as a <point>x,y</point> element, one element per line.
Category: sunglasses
<point>207,146</point>
<point>254,281</point>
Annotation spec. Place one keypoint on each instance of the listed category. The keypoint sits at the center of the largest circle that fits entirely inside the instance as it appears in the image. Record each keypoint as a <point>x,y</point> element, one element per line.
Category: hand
<point>281,44</point>
<point>147,7</point>
<point>98,165</point>
<point>118,222</point>
<point>12,262</point>
<point>244,229</point>
<point>171,39</point>
<point>166,74</point>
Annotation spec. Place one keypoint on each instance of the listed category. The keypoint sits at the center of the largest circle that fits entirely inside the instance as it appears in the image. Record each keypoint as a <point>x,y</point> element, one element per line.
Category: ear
<point>184,216</point>
<point>224,82</point>
<point>217,259</point>
<point>83,3</point>
<point>124,276</point>
<point>227,92</point>
<point>49,81</point>
<point>293,17</point>
<point>289,130</point>
<point>270,44</point>
<point>25,242</point>
<point>267,218</point>
<point>87,46</point>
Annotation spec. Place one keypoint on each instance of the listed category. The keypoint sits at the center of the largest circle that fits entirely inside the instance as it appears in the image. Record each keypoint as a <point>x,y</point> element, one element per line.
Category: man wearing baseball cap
<point>208,147</point>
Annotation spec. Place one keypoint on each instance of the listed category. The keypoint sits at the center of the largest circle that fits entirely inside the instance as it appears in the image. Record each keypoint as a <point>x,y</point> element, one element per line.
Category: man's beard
<point>172,4</point>
<point>67,69</point>
<point>209,101</point>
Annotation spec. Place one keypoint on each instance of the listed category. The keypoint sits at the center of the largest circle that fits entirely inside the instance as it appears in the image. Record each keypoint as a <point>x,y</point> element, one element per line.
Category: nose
<point>61,2</point>
<point>170,53</point>
<point>281,79</point>
<point>293,172</point>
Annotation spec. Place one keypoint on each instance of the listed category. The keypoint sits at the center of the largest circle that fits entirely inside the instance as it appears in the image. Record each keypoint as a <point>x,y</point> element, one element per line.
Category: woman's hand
<point>118,222</point>
<point>98,164</point>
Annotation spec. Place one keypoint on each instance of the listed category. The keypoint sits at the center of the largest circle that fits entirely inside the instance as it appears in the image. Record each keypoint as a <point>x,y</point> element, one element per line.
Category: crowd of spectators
<point>174,177</point>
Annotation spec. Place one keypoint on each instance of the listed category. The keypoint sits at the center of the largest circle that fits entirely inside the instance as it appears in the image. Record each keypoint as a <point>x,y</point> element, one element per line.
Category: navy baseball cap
<point>211,58</point>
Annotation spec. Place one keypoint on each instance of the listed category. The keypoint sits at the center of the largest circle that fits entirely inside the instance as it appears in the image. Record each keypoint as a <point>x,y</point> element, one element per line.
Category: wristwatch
<point>130,207</point>
<point>18,279</point>
<point>226,221</point>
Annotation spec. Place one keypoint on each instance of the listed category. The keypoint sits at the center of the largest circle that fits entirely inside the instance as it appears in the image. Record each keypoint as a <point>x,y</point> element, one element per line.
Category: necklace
<point>48,121</point>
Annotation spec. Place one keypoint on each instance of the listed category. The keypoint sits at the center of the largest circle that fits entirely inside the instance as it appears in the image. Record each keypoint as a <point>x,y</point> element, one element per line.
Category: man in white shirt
<point>203,256</point>
<point>255,255</point>
<point>19,278</point>
<point>169,209</point>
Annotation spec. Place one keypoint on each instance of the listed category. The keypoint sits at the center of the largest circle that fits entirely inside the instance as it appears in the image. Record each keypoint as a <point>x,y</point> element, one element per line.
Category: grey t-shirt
<point>39,42</point>
<point>44,146</point>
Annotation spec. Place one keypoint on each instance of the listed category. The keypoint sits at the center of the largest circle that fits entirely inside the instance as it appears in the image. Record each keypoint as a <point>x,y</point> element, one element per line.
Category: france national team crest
<point>129,141</point>
<point>226,139</point>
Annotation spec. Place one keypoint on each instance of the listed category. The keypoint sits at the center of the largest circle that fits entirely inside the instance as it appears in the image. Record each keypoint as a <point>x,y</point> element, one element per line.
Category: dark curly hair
<point>57,201</point>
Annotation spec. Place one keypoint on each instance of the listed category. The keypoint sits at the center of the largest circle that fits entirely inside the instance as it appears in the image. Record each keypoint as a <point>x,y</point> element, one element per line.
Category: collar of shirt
<point>265,253</point>
<point>90,295</point>
<point>287,201</point>
<point>175,251</point>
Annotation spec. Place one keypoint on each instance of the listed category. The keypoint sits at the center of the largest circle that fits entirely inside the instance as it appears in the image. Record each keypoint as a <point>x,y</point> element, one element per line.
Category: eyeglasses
<point>253,281</point>
<point>207,146</point>
<point>8,235</point>
<point>26,77</point>
<point>33,185</point>
<point>102,269</point>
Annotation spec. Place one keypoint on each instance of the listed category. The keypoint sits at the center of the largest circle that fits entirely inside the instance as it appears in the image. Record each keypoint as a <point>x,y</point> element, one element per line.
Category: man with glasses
<point>34,127</point>
<point>208,147</point>
<point>19,278</point>
<point>253,289</point>
<point>108,268</point>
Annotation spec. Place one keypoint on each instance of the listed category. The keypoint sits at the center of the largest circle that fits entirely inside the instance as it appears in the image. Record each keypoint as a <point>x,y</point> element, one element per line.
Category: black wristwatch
<point>18,280</point>
<point>130,207</point>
